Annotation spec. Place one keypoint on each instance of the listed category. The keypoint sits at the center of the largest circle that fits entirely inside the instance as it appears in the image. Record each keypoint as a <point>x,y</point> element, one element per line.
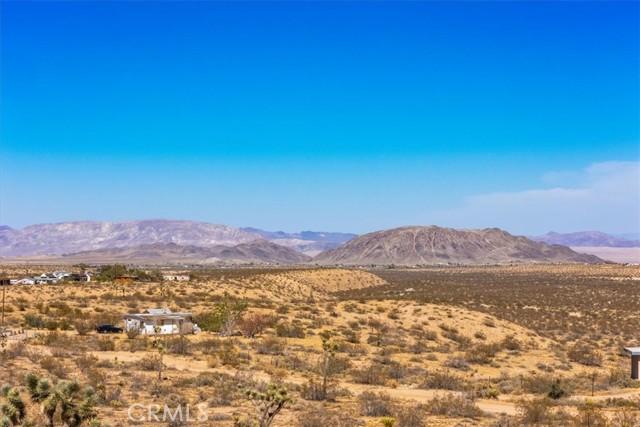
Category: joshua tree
<point>269,404</point>
<point>162,350</point>
<point>328,353</point>
<point>67,398</point>
<point>13,410</point>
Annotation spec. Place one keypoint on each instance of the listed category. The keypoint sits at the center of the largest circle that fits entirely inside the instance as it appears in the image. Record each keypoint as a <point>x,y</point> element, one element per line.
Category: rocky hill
<point>436,245</point>
<point>586,239</point>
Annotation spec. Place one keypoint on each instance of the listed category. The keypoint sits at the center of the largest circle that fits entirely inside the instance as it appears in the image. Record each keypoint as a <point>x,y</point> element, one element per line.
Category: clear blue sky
<point>341,116</point>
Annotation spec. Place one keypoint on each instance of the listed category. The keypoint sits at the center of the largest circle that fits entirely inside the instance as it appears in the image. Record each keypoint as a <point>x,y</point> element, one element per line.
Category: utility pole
<point>3,285</point>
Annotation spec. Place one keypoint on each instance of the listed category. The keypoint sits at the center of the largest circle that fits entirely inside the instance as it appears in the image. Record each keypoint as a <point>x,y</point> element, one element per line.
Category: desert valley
<point>417,326</point>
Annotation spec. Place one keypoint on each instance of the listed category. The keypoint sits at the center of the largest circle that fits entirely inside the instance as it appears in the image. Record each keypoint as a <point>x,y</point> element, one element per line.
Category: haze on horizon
<point>338,116</point>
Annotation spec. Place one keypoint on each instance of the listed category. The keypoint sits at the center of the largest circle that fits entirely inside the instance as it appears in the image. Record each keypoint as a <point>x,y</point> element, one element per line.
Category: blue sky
<point>345,116</point>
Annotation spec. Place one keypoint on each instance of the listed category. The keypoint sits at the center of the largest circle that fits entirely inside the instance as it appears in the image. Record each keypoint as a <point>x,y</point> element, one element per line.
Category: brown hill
<point>436,245</point>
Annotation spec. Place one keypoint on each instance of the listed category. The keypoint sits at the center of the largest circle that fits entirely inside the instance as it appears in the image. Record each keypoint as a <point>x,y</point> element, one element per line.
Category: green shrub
<point>34,321</point>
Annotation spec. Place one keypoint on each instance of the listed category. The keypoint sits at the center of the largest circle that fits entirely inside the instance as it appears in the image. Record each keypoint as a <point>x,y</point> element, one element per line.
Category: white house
<point>160,321</point>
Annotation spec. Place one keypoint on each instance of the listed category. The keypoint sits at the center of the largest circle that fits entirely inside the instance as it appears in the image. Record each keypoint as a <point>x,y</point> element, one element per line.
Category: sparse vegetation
<point>439,357</point>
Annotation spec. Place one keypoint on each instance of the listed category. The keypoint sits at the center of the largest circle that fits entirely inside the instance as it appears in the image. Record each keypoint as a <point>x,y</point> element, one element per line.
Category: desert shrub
<point>271,345</point>
<point>535,412</point>
<point>511,343</point>
<point>85,362</point>
<point>557,390</point>
<point>451,405</point>
<point>453,335</point>
<point>150,362</point>
<point>618,377</point>
<point>314,390</point>
<point>132,333</point>
<point>55,366</point>
<point>321,416</point>
<point>372,374</point>
<point>335,365</point>
<point>545,384</point>
<point>488,321</point>
<point>482,353</point>
<point>137,345</point>
<point>351,349</point>
<point>290,330</point>
<point>487,391</point>
<point>626,418</point>
<point>590,415</point>
<point>480,335</point>
<point>504,421</point>
<point>376,404</point>
<point>179,345</point>
<point>19,349</point>
<point>457,363</point>
<point>83,327</point>
<point>351,336</point>
<point>33,321</point>
<point>227,353</point>
<point>106,344</point>
<point>255,323</point>
<point>585,355</point>
<point>413,416</point>
<point>442,379</point>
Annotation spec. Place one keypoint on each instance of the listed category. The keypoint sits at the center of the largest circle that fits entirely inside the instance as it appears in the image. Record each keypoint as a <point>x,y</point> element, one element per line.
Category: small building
<point>176,277</point>
<point>45,278</point>
<point>635,361</point>
<point>160,321</point>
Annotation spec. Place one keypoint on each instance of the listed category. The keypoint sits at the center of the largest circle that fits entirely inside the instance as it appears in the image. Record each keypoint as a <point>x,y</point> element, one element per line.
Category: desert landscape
<point>538,345</point>
<point>320,213</point>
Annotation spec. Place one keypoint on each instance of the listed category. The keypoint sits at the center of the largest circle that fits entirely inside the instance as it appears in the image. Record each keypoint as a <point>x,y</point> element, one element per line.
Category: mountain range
<point>586,239</point>
<point>172,241</point>
<point>73,237</point>
<point>255,252</point>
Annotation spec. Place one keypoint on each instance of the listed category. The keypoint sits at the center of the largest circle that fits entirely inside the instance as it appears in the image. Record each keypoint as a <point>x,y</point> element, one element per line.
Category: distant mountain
<point>435,245</point>
<point>260,251</point>
<point>257,252</point>
<point>586,238</point>
<point>71,237</point>
<point>308,242</point>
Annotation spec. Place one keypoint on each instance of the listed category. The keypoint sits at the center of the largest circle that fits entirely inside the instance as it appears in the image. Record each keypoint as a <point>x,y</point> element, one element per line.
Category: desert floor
<point>466,346</point>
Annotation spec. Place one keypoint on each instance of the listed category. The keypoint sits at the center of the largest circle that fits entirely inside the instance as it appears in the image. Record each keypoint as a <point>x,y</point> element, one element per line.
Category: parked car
<point>108,329</point>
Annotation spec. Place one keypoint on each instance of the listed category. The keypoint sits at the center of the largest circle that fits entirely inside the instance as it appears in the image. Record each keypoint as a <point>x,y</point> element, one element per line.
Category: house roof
<point>157,311</point>
<point>635,351</point>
